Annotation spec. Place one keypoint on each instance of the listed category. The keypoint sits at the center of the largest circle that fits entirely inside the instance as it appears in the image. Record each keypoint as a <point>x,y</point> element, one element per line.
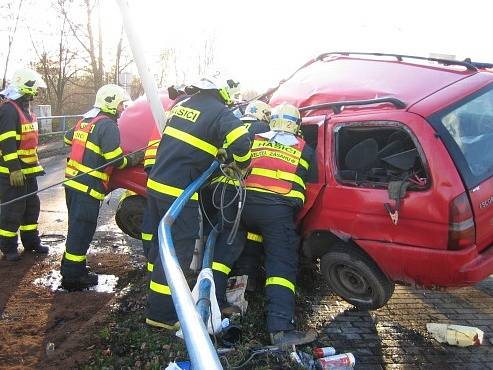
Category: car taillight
<point>462,232</point>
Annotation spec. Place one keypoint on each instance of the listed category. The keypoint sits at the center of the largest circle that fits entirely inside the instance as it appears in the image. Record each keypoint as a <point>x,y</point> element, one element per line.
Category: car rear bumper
<point>430,268</point>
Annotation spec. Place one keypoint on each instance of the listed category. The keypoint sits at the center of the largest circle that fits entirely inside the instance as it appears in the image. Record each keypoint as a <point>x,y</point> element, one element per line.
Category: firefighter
<point>197,128</point>
<point>19,165</point>
<point>281,164</point>
<point>256,119</point>
<point>176,93</point>
<point>95,141</point>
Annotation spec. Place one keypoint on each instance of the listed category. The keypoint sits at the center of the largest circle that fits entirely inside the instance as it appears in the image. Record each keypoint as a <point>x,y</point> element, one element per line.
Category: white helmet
<point>285,117</point>
<point>27,81</point>
<point>109,97</point>
<point>227,88</point>
<point>257,110</point>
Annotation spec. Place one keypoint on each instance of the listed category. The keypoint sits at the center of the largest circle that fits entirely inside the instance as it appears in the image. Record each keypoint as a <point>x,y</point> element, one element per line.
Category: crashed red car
<point>405,189</point>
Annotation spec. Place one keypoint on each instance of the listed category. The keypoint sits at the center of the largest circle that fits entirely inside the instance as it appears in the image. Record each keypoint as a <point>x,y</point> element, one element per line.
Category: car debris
<point>456,335</point>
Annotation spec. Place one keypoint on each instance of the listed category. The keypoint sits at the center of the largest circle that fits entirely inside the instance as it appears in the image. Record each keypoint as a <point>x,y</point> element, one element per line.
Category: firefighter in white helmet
<point>19,165</point>
<point>95,141</point>
<point>197,128</point>
<point>281,165</point>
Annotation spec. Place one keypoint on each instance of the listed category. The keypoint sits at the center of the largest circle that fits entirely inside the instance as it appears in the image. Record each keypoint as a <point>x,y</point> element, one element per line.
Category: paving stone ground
<point>395,336</point>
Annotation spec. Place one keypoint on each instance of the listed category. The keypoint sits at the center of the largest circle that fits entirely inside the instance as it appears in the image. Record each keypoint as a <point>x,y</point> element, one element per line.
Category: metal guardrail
<point>200,348</point>
<point>61,127</point>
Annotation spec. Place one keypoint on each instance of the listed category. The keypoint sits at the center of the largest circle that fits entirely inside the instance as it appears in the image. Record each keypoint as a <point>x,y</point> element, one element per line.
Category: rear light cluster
<point>462,232</point>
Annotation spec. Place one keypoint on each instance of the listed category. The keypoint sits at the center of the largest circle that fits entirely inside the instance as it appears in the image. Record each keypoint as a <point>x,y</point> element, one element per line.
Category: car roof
<point>334,77</point>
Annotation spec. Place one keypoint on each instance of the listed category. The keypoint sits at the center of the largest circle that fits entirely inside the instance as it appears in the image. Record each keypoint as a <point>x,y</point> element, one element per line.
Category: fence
<point>51,125</point>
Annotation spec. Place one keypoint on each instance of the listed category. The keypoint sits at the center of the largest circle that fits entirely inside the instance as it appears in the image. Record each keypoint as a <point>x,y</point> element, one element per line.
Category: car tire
<point>355,277</point>
<point>129,215</point>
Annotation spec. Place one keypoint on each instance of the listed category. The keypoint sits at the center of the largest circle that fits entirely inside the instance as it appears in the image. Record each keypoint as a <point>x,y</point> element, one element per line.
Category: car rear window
<point>470,124</point>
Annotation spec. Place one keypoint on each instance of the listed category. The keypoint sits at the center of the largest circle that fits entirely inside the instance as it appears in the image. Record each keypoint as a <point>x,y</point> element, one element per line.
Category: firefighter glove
<point>233,171</point>
<point>17,178</point>
<point>134,159</point>
<point>222,155</point>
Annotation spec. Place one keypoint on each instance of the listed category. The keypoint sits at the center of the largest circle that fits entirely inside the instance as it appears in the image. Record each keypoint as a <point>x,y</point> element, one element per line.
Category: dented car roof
<point>333,78</point>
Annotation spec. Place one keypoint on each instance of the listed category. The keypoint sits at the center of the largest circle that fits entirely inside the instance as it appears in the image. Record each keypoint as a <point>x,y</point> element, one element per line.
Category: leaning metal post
<point>200,349</point>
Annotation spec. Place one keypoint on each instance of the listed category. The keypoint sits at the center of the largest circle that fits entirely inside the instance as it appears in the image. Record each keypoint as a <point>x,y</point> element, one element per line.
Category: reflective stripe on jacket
<point>94,143</point>
<point>275,168</point>
<point>198,126</point>
<point>26,136</point>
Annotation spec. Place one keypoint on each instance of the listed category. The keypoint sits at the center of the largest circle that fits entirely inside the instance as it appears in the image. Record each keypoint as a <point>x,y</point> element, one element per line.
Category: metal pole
<point>148,82</point>
<point>200,349</point>
<point>205,285</point>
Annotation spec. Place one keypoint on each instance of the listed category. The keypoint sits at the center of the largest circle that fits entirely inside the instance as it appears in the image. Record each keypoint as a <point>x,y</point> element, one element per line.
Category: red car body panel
<point>416,249</point>
<point>136,125</point>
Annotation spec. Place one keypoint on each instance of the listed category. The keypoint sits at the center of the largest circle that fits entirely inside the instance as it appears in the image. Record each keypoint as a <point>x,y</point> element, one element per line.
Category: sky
<point>260,42</point>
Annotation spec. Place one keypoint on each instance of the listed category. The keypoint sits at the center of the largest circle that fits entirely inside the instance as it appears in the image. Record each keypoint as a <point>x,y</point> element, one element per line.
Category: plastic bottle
<point>345,360</point>
<point>320,352</point>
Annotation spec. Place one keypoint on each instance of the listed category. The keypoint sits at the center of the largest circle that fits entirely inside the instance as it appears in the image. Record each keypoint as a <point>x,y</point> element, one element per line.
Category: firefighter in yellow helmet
<point>281,165</point>
<point>256,119</point>
<point>95,141</point>
<point>19,165</point>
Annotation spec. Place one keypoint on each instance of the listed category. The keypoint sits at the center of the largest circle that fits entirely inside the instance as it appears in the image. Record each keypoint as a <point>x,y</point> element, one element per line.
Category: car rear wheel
<point>129,215</point>
<point>355,277</point>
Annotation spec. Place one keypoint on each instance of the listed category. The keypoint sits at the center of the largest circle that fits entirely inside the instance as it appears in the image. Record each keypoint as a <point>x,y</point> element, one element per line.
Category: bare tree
<point>206,56</point>
<point>85,35</point>
<point>167,61</point>
<point>58,66</point>
<point>122,60</point>
<point>12,15</point>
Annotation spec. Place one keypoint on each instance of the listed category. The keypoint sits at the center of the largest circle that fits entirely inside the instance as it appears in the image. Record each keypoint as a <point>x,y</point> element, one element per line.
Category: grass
<point>126,342</point>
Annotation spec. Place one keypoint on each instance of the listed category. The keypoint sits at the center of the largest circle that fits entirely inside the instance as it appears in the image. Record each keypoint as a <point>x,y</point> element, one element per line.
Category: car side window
<point>471,126</point>
<point>372,154</point>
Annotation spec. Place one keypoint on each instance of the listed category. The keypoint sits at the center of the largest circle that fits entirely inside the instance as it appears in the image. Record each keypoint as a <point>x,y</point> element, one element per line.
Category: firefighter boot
<point>80,283</point>
<point>12,256</point>
<point>39,249</point>
<point>286,338</point>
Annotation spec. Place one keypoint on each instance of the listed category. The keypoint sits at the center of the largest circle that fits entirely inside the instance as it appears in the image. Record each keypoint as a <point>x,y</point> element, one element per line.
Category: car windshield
<point>471,127</point>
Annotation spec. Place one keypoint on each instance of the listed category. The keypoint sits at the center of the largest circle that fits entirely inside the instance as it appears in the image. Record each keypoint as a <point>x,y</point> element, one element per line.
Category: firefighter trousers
<point>83,212</point>
<point>21,215</point>
<point>185,230</point>
<point>275,222</point>
<point>146,235</point>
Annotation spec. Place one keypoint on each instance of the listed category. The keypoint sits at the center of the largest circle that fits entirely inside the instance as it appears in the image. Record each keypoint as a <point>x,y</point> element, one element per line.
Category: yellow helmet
<point>285,117</point>
<point>258,110</point>
<point>27,81</point>
<point>109,97</point>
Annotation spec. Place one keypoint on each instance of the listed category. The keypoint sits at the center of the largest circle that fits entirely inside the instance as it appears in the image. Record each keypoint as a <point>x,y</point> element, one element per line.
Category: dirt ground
<point>34,316</point>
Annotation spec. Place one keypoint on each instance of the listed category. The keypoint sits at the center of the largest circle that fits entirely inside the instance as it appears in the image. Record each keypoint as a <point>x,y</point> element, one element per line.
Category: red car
<point>405,190</point>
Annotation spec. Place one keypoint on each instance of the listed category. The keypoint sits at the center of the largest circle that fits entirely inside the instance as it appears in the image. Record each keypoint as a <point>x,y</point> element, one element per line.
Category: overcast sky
<point>259,41</point>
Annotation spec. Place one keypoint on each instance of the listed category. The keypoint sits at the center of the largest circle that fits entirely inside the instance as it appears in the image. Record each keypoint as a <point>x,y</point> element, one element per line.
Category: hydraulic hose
<point>72,178</point>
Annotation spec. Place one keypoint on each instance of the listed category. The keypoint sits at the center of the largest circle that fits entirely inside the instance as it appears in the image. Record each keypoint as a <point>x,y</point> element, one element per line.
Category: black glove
<point>134,159</point>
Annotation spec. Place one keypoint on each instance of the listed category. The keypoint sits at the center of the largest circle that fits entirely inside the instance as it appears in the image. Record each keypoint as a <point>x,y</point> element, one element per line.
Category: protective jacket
<point>254,127</point>
<point>155,139</point>
<point>278,169</point>
<point>94,142</point>
<point>18,139</point>
<point>197,128</point>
